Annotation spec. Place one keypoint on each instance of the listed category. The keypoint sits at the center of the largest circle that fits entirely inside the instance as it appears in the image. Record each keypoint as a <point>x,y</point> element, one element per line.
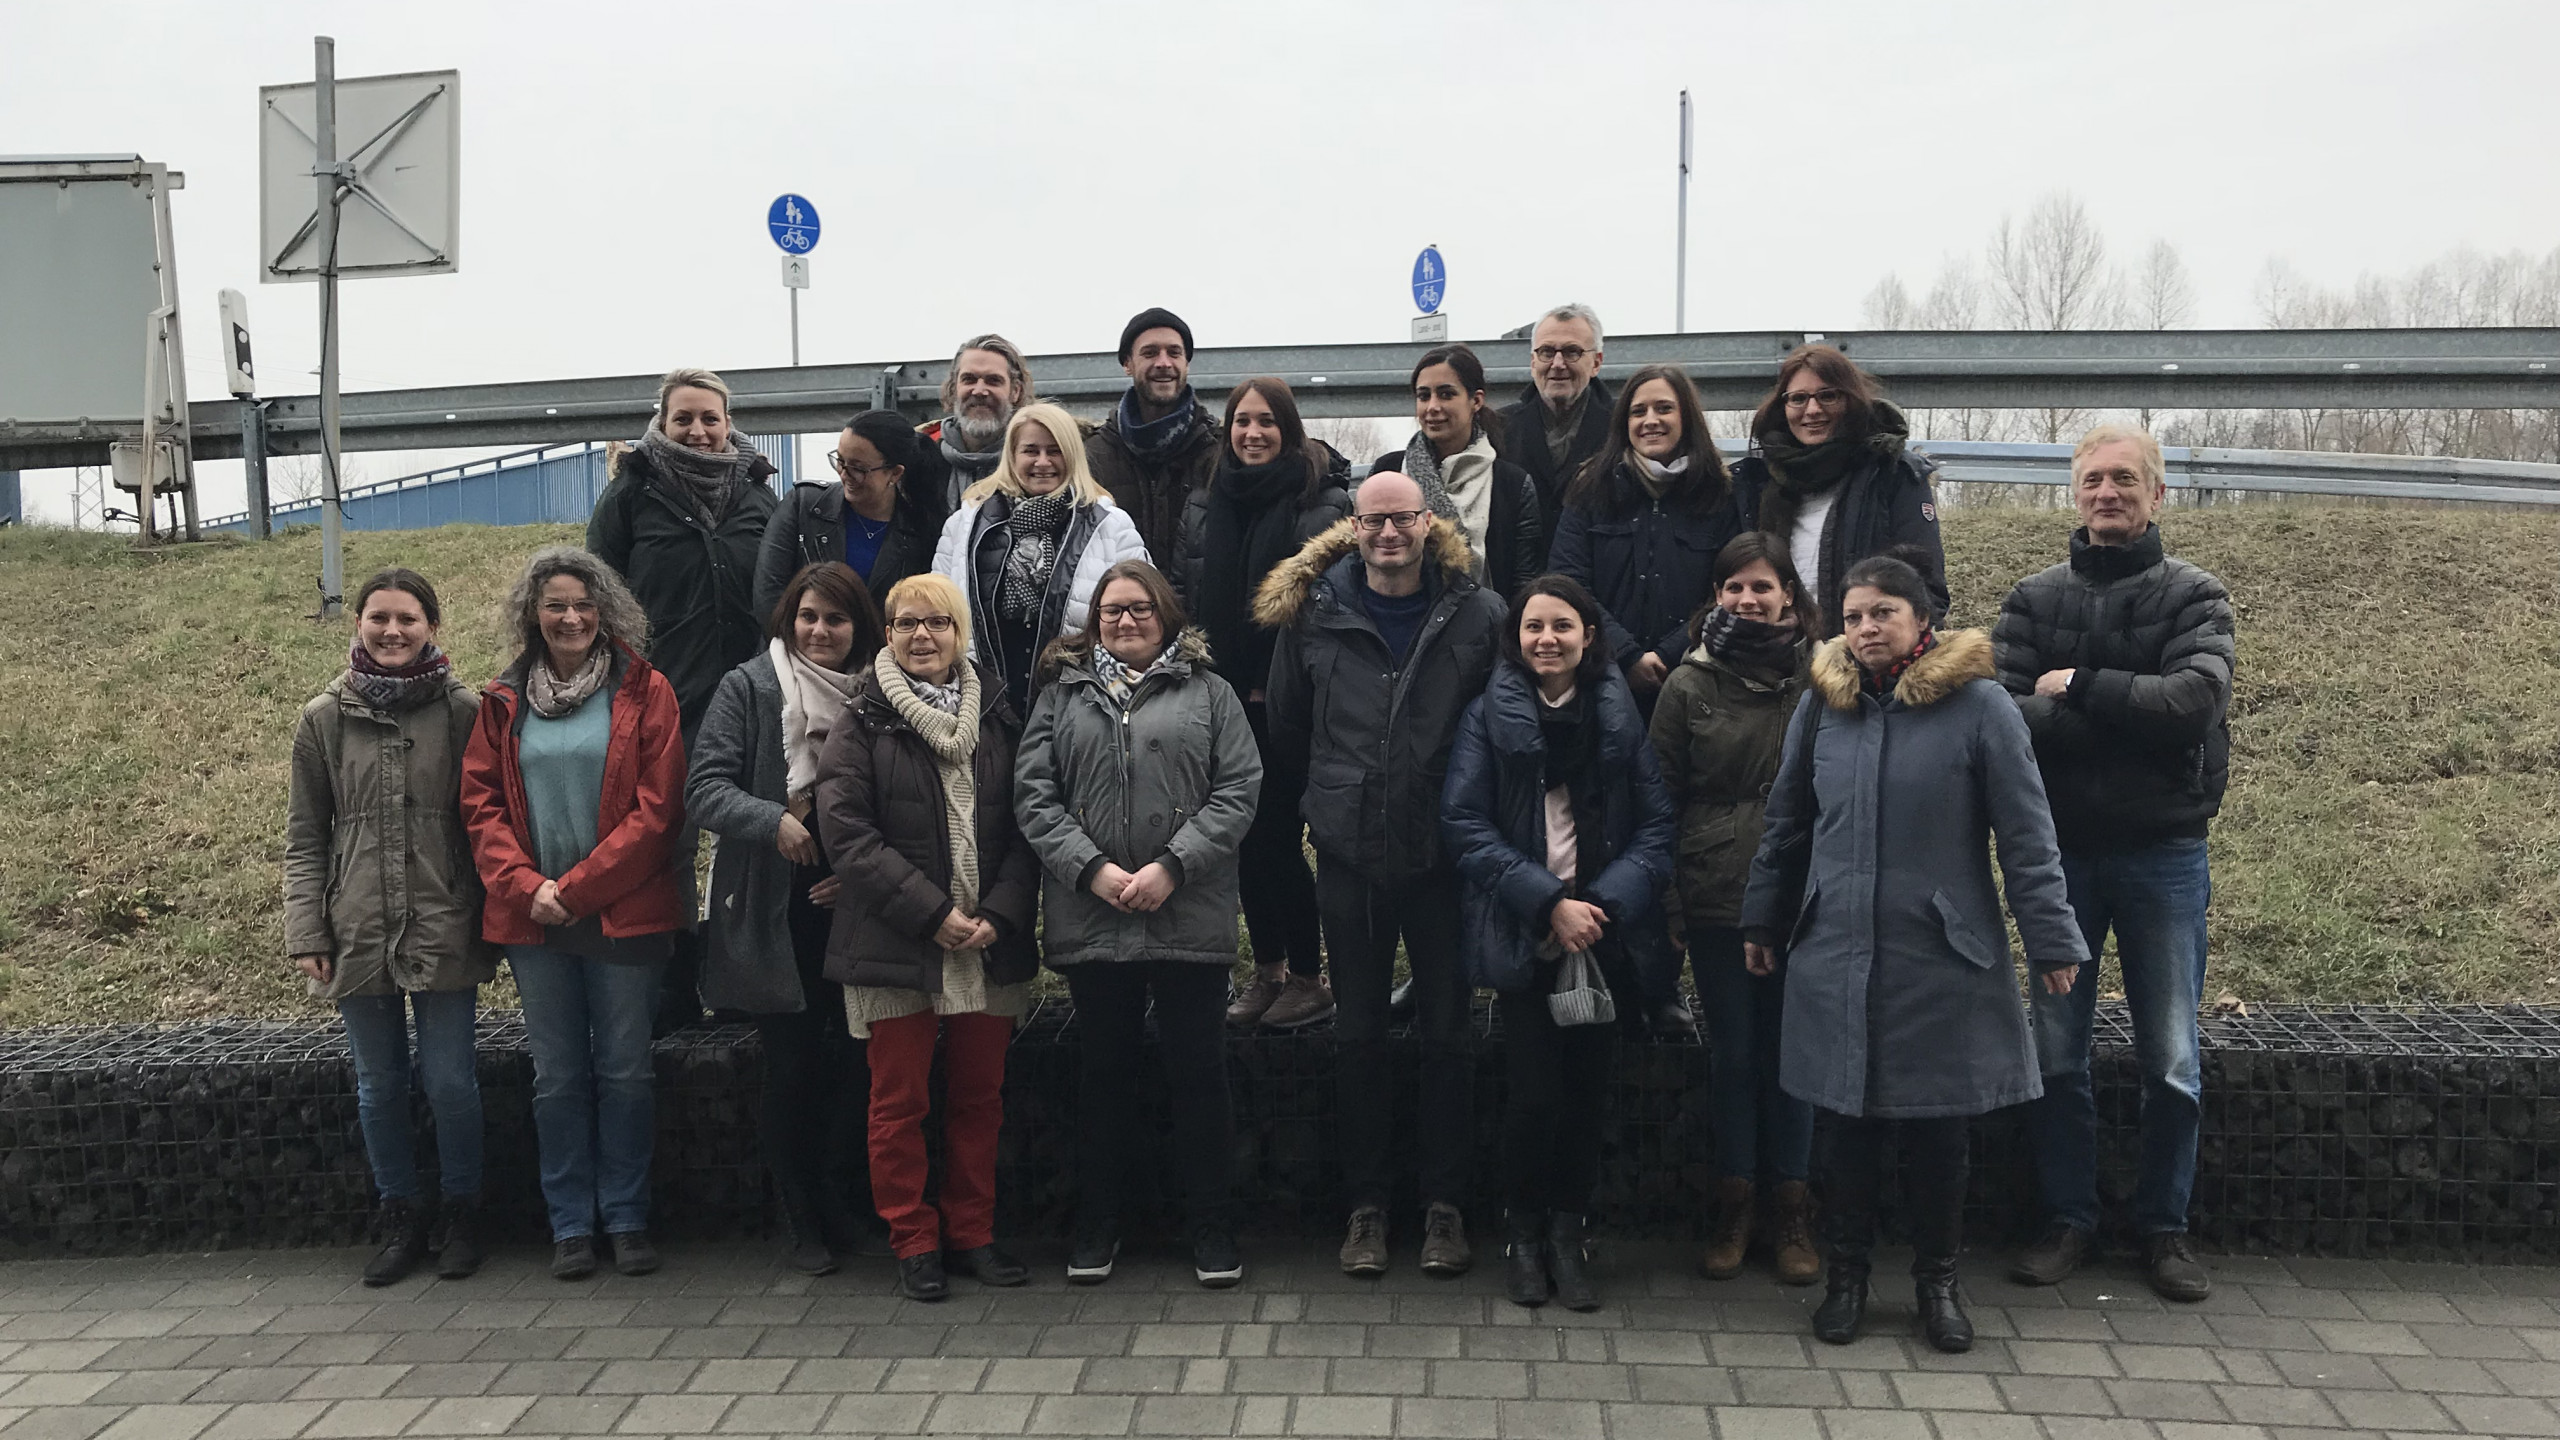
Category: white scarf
<point>813,700</point>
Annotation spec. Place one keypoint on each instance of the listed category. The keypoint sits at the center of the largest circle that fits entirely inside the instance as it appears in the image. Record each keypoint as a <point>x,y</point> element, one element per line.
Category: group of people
<point>1557,696</point>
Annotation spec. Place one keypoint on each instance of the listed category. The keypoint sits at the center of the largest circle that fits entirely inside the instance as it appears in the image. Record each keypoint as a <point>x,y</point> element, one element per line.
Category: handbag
<point>1581,996</point>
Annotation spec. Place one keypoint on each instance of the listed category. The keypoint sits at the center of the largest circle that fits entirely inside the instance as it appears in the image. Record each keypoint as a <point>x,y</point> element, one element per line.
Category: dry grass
<point>2392,831</point>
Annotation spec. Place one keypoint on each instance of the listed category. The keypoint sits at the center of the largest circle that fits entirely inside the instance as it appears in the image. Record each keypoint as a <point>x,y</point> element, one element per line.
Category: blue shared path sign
<point>1430,279</point>
<point>794,223</point>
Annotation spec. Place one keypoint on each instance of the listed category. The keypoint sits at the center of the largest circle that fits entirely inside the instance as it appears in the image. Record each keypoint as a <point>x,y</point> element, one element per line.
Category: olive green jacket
<point>377,867</point>
<point>1718,732</point>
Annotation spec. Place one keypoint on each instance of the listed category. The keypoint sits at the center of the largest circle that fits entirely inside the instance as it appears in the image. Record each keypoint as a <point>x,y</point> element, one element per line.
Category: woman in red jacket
<point>573,790</point>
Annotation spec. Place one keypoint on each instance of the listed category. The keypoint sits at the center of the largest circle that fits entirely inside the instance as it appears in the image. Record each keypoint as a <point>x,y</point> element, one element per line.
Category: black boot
<point>804,1237</point>
<point>1942,1316</point>
<point>462,1251</point>
<point>1568,1253</point>
<point>1844,1303</point>
<point>1524,1257</point>
<point>404,1243</point>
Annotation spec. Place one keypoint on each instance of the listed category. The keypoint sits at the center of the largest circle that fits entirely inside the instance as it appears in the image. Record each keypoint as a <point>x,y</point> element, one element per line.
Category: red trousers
<point>973,1049</point>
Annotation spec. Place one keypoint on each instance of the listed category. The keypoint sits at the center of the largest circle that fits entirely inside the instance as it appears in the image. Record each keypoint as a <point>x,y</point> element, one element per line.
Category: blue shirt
<point>862,551</point>
<point>1398,617</point>
<point>562,762</point>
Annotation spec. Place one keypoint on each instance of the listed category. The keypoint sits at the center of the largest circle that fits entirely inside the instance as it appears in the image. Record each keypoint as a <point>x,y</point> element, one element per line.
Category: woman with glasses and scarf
<point>1831,474</point>
<point>1492,501</point>
<point>1873,883</point>
<point>880,519</point>
<point>1029,544</point>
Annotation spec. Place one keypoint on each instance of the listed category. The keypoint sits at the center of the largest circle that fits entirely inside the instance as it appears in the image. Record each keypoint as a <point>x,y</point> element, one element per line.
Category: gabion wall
<point>2417,1134</point>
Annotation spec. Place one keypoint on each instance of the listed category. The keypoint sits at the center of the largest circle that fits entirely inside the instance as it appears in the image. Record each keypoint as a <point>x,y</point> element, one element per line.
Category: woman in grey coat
<point>1136,784</point>
<point>1874,878</point>
<point>753,782</point>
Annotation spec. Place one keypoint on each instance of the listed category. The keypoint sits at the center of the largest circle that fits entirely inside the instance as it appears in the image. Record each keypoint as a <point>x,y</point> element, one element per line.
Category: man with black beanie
<point>1161,442</point>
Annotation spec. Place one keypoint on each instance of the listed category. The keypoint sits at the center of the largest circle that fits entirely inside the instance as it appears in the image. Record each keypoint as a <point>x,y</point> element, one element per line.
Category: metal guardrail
<point>2495,368</point>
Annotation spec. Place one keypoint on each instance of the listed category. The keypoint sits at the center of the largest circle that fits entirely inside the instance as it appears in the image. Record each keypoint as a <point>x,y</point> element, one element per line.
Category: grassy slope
<point>2391,834</point>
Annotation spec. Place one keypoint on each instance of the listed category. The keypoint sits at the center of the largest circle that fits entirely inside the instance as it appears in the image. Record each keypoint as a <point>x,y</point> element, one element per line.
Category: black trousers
<point>810,1122</point>
<point>1363,920</point>
<point>1934,1163</point>
<point>1554,1116</point>
<point>1111,999</point>
<point>1279,895</point>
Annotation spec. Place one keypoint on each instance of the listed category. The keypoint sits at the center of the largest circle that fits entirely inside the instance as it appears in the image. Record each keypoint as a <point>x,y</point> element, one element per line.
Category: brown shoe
<point>1364,1244</point>
<point>1791,1234</point>
<point>1444,1241</point>
<point>1732,1237</point>
<point>1254,1000</point>
<point>1304,1000</point>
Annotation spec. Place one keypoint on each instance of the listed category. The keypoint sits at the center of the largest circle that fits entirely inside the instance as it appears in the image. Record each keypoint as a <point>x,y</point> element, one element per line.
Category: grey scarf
<point>1035,527</point>
<point>712,480</point>
<point>552,697</point>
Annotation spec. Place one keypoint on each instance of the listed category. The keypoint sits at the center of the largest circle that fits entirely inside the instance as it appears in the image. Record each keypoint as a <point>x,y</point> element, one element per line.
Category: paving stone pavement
<point>286,1345</point>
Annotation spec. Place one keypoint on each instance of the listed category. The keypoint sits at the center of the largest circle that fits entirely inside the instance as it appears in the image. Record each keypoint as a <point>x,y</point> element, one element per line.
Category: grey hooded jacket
<point>1875,867</point>
<point>1173,777</point>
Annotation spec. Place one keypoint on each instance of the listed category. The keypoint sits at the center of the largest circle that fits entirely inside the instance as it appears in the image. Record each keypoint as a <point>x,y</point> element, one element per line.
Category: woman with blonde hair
<point>1028,545</point>
<point>932,937</point>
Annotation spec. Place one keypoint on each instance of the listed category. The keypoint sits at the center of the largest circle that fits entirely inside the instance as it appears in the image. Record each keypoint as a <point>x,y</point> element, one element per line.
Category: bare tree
<point>295,479</point>
<point>1888,306</point>
<point>2163,293</point>
<point>2050,273</point>
<point>1359,438</point>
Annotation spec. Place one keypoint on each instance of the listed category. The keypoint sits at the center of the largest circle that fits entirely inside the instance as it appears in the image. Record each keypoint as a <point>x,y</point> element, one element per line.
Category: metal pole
<point>1680,284</point>
<point>253,463</point>
<point>795,327</point>
<point>324,168</point>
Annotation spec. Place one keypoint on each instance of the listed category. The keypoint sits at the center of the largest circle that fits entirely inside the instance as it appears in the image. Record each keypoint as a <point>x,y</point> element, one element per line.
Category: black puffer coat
<point>1645,560</point>
<point>808,527</point>
<point>1370,742</point>
<point>1157,493</point>
<point>2139,749</point>
<point>696,582</point>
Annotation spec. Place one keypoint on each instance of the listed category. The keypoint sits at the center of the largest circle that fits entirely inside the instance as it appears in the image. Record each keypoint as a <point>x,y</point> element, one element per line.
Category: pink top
<point>1559,813</point>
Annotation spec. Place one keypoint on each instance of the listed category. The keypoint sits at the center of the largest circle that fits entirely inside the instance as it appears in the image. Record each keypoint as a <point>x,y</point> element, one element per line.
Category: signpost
<point>793,223</point>
<point>1430,285</point>
<point>1680,267</point>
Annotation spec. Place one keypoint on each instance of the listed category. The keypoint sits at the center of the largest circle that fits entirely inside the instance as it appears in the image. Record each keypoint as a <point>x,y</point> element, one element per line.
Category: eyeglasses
<point>1569,354</point>
<point>1377,520</point>
<point>1827,399</point>
<point>930,624</point>
<point>1139,610</point>
<point>855,472</point>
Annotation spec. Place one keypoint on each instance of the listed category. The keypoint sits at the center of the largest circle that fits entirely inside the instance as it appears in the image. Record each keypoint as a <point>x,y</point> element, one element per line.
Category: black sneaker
<point>574,1258</point>
<point>461,1253</point>
<point>2170,1262</point>
<point>1215,1259</point>
<point>920,1277</point>
<point>632,1252</point>
<point>987,1265</point>
<point>1090,1257</point>
<point>404,1235</point>
<point>2052,1258</point>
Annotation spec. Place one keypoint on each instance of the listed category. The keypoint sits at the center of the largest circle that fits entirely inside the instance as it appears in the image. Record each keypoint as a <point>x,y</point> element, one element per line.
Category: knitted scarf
<point>1251,526</point>
<point>952,736</point>
<point>551,696</point>
<point>386,687</point>
<point>1459,489</point>
<point>813,700</point>
<point>974,462</point>
<point>1155,440</point>
<point>1797,471</point>
<point>1035,527</point>
<point>1752,646</point>
<point>1882,685</point>
<point>711,480</point>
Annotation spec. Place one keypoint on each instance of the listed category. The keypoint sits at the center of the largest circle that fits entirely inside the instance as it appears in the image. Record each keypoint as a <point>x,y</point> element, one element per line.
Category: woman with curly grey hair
<point>573,789</point>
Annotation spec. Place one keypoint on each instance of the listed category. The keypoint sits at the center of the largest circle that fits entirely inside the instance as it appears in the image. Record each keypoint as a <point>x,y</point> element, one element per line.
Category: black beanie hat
<point>1154,317</point>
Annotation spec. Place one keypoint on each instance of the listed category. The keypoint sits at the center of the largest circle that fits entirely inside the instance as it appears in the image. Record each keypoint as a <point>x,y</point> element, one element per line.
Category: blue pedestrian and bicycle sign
<point>1430,279</point>
<point>794,223</point>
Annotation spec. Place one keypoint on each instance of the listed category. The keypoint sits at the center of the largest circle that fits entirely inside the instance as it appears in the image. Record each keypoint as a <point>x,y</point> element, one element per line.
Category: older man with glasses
<point>1562,419</point>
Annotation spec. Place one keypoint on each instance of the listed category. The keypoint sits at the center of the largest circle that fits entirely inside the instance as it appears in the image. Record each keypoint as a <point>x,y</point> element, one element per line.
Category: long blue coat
<point>1493,819</point>
<point>1902,997</point>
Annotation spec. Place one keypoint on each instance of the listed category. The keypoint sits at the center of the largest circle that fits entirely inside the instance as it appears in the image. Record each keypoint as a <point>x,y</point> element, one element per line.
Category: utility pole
<point>1680,268</point>
<point>324,169</point>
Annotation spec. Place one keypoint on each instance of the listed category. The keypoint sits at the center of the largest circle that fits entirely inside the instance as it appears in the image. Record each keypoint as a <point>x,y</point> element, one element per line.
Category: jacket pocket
<point>1961,934</point>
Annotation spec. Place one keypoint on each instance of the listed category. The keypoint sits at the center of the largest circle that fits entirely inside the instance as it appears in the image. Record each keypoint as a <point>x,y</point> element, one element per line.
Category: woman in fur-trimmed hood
<point>1874,883</point>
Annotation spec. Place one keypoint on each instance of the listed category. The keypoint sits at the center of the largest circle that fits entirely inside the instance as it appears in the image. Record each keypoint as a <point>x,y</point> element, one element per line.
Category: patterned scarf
<point>1154,440</point>
<point>953,739</point>
<point>813,700</point>
<point>1881,686</point>
<point>1037,524</point>
<point>1749,645</point>
<point>1118,678</point>
<point>393,688</point>
<point>552,697</point>
<point>711,479</point>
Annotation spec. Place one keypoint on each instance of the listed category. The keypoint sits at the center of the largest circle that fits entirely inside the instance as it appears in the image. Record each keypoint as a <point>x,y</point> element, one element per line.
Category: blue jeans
<point>2154,899</point>
<point>594,1104</point>
<point>1760,1129</point>
<point>448,1067</point>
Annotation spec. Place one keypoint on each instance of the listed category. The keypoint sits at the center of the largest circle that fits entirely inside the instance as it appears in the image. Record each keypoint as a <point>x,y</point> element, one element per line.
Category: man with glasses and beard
<point>987,383</point>
<point>1160,443</point>
<point>1562,419</point>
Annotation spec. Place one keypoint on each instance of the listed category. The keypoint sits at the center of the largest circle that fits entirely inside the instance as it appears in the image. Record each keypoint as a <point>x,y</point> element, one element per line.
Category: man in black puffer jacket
<point>2121,661</point>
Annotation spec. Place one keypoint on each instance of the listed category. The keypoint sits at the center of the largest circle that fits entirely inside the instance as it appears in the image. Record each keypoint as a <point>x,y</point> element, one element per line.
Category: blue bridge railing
<point>550,484</point>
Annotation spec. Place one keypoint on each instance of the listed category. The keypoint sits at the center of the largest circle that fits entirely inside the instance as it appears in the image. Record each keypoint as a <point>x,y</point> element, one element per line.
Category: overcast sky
<point>1269,170</point>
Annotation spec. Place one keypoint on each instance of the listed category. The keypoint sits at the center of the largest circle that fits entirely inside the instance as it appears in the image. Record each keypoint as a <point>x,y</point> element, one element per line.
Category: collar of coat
<point>1962,656</point>
<point>1512,704</point>
<point>1285,591</point>
<point>2114,562</point>
<point>1190,652</point>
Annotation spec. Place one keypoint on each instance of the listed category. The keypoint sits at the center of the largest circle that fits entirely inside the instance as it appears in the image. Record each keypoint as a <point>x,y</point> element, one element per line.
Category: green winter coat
<point>377,867</point>
<point>1718,732</point>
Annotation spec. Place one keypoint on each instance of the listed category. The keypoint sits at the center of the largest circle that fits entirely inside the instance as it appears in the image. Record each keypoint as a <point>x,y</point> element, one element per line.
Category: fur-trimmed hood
<point>1960,657</point>
<point>1283,596</point>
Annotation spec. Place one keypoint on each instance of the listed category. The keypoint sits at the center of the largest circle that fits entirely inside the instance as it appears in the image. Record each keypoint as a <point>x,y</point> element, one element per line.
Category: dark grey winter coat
<point>736,789</point>
<point>697,582</point>
<point>1875,869</point>
<point>1173,777</point>
<point>2138,751</point>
